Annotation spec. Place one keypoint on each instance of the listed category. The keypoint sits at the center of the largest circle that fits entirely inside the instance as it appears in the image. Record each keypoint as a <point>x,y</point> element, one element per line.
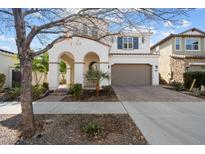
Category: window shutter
<point>136,42</point>
<point>119,42</point>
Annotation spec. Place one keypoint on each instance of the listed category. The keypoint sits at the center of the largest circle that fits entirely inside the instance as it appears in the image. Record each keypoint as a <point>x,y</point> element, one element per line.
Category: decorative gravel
<point>9,125</point>
<point>67,130</point>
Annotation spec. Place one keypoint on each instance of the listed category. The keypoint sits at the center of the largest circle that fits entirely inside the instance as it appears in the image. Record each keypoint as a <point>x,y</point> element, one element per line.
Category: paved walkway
<point>66,108</point>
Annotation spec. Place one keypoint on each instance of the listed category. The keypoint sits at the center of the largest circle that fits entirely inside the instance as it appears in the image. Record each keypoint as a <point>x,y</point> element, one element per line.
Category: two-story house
<point>179,53</point>
<point>127,58</point>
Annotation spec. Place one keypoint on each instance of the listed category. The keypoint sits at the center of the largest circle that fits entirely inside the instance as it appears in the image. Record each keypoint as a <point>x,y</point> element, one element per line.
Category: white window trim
<point>192,38</point>
<point>127,43</point>
<point>180,44</point>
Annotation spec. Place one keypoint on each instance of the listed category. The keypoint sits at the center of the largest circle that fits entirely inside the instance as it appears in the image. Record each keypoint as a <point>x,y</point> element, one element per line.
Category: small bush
<point>202,93</point>
<point>12,94</point>
<point>16,84</point>
<point>178,86</point>
<point>161,80</point>
<point>2,81</point>
<point>196,92</point>
<point>107,90</point>
<point>37,92</point>
<point>46,86</point>
<point>92,129</point>
<point>191,75</point>
<point>76,90</point>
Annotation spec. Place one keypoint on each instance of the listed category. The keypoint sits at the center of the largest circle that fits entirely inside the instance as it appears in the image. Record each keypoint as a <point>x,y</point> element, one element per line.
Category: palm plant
<point>97,75</point>
<point>62,70</point>
<point>40,64</point>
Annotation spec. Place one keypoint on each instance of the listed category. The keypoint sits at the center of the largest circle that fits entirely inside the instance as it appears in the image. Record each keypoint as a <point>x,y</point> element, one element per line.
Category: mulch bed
<point>90,96</point>
<point>67,130</point>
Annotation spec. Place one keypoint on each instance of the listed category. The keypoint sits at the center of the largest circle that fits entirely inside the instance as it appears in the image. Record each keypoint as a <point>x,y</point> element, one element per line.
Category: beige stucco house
<point>127,58</point>
<point>7,67</point>
<point>7,61</point>
<point>179,53</point>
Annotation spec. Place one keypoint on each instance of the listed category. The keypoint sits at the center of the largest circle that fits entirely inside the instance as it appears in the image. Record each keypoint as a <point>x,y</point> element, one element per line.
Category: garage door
<point>134,75</point>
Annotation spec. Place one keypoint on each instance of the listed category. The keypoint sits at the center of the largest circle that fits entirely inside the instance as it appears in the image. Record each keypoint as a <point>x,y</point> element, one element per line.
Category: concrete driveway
<point>152,93</point>
<point>165,116</point>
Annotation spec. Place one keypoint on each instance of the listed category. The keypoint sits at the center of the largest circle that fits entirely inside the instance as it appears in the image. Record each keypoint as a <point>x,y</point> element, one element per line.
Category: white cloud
<point>159,35</point>
<point>6,38</point>
<point>184,23</point>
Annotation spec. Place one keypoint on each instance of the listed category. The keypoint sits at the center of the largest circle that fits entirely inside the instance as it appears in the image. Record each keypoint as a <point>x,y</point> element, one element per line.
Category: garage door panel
<point>126,74</point>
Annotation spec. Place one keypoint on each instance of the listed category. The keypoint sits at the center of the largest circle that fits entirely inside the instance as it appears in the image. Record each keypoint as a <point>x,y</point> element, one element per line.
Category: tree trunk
<point>26,58</point>
<point>26,95</point>
<point>97,89</point>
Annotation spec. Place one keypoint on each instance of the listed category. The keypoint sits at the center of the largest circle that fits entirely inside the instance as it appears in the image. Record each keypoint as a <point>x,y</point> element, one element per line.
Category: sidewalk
<point>66,108</point>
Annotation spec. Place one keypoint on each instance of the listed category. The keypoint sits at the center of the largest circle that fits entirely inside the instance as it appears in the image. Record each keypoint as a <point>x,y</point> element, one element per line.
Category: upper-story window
<point>192,44</point>
<point>177,43</point>
<point>127,43</point>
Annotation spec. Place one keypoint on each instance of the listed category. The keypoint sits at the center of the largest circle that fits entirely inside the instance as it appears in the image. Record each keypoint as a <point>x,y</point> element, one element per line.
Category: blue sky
<point>196,19</point>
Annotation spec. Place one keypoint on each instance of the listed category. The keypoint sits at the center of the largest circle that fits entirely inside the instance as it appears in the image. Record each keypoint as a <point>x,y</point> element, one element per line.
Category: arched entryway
<point>91,61</point>
<point>66,69</point>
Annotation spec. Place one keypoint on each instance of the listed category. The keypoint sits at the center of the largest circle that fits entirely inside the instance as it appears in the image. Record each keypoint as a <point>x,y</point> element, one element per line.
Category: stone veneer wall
<point>179,65</point>
<point>177,69</point>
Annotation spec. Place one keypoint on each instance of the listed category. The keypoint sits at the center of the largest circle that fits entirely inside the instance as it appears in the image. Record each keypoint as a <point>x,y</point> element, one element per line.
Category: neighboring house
<point>127,58</point>
<point>7,61</point>
<point>7,67</point>
<point>180,53</point>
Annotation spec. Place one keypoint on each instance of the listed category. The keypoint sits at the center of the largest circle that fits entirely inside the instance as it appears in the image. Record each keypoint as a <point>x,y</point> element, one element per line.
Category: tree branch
<point>30,11</point>
<point>6,12</point>
<point>49,46</point>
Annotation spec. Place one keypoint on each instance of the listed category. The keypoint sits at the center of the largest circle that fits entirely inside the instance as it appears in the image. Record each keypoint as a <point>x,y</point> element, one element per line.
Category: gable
<point>193,31</point>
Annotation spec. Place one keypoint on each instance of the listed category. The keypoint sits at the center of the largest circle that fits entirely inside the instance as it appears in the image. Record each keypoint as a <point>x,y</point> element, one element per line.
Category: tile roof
<point>143,54</point>
<point>198,56</point>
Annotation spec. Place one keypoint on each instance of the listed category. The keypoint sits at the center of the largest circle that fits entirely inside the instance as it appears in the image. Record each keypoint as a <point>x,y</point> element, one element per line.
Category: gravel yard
<point>68,129</point>
<point>8,128</point>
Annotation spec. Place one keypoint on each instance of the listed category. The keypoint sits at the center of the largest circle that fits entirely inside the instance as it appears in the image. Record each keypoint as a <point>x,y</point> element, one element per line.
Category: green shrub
<point>92,129</point>
<point>16,84</point>
<point>178,86</point>
<point>46,86</point>
<point>13,94</point>
<point>2,81</point>
<point>76,90</point>
<point>37,92</point>
<point>191,75</point>
<point>196,92</point>
<point>107,90</point>
<point>161,80</point>
<point>202,93</point>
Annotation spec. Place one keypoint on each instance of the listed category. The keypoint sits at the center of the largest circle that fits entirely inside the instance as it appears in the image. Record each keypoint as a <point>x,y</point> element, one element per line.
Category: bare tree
<point>49,26</point>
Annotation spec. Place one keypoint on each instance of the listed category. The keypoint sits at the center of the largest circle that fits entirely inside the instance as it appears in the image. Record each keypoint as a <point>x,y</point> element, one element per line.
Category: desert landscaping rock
<point>67,129</point>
